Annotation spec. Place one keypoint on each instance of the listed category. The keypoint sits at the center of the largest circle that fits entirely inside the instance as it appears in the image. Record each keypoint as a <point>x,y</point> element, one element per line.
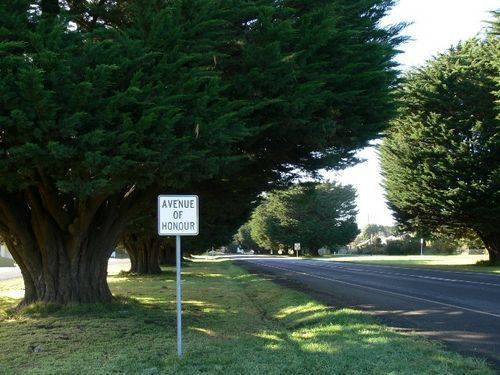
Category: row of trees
<point>315,215</point>
<point>441,156</point>
<point>105,104</point>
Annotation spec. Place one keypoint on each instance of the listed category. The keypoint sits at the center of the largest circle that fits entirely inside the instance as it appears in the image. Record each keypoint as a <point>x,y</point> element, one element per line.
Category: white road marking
<point>383,291</point>
<point>337,266</point>
<point>423,268</point>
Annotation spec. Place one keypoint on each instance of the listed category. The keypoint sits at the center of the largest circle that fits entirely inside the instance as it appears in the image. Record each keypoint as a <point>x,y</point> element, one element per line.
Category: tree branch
<point>52,203</point>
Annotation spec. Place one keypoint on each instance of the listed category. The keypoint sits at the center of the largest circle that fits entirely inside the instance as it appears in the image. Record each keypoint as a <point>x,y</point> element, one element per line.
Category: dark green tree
<point>102,104</point>
<point>316,215</point>
<point>441,157</point>
<point>243,238</point>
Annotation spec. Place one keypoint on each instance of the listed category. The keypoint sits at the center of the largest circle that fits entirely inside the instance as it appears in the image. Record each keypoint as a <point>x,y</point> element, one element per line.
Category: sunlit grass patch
<point>234,323</point>
<point>461,262</point>
<point>8,287</point>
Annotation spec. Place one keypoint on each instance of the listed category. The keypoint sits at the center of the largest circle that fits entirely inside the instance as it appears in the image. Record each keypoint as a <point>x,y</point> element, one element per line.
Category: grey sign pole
<point>179,294</point>
<point>178,215</point>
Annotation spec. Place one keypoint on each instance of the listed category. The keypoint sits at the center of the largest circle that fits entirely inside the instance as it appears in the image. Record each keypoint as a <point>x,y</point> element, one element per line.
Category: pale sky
<point>436,25</point>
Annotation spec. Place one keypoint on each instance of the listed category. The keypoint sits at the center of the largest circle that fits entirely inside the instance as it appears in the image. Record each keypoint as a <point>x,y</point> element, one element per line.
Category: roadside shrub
<point>408,246</point>
<point>443,246</point>
<point>373,249</point>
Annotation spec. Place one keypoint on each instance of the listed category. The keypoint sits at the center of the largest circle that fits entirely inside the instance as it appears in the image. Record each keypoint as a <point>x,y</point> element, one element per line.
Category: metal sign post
<point>421,246</point>
<point>297,248</point>
<point>179,293</point>
<point>178,215</point>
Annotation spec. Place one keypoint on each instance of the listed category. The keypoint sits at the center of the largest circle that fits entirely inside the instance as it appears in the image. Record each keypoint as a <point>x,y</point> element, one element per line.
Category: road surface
<point>460,308</point>
<point>7,273</point>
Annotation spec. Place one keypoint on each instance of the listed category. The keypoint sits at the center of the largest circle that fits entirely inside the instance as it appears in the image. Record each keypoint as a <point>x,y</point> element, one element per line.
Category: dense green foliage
<point>104,104</point>
<point>405,246</point>
<point>441,157</point>
<point>243,238</point>
<point>316,215</point>
<point>176,90</point>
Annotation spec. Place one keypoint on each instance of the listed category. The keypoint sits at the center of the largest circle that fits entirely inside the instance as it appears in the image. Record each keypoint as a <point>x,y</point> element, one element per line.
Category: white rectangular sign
<point>296,246</point>
<point>178,215</point>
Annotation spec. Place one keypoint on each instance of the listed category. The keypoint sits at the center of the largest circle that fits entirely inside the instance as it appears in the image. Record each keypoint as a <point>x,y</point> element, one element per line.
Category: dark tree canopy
<point>103,104</point>
<point>316,215</point>
<point>441,157</point>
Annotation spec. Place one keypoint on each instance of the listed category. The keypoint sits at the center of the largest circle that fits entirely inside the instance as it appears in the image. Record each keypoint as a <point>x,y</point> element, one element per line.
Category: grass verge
<point>446,262</point>
<point>234,323</point>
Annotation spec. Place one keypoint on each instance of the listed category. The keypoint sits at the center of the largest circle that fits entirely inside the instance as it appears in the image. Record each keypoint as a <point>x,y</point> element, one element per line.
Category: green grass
<point>447,262</point>
<point>234,323</point>
<point>6,262</point>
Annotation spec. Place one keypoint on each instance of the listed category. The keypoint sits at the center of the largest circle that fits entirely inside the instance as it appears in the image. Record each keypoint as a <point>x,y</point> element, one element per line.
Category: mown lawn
<point>235,323</point>
<point>446,262</point>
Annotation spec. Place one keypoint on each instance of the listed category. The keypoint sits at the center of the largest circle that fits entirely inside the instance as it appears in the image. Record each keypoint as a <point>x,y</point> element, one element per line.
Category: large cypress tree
<point>104,103</point>
<point>441,157</point>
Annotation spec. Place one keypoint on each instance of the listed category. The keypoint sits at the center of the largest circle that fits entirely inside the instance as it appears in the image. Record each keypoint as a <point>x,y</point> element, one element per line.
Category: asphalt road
<point>460,308</point>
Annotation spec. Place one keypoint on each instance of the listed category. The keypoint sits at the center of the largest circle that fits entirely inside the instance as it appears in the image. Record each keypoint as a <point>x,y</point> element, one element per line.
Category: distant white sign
<point>296,246</point>
<point>178,215</point>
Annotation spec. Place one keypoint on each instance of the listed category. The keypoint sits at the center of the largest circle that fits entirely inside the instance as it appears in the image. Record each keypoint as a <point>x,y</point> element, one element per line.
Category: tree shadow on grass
<point>120,306</point>
<point>165,272</point>
<point>335,342</point>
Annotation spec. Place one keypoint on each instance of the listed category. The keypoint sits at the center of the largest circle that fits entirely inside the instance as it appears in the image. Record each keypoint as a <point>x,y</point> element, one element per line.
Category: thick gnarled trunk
<point>62,253</point>
<point>60,280</point>
<point>167,255</point>
<point>492,243</point>
<point>144,253</point>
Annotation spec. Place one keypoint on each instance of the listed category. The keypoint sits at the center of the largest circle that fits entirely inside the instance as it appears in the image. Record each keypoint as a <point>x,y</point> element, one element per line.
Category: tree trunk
<point>64,281</point>
<point>167,255</point>
<point>63,256</point>
<point>144,252</point>
<point>492,243</point>
<point>53,274</point>
<point>314,252</point>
